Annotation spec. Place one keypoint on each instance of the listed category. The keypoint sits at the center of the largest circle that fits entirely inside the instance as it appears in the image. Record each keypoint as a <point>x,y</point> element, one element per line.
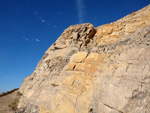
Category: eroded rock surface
<point>94,70</point>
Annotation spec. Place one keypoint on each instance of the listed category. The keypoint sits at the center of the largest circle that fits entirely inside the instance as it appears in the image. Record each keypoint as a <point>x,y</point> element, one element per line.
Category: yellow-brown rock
<point>94,70</point>
<point>105,30</point>
<point>112,32</point>
<point>79,57</point>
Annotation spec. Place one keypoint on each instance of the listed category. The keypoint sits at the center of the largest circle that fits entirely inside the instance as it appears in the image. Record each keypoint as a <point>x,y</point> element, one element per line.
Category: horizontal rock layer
<point>94,70</point>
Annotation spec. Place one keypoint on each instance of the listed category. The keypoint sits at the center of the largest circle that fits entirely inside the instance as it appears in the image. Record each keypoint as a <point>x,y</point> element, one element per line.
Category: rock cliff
<point>94,70</point>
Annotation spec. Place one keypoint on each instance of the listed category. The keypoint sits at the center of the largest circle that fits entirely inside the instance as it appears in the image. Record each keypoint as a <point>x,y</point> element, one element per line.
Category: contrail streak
<point>80,9</point>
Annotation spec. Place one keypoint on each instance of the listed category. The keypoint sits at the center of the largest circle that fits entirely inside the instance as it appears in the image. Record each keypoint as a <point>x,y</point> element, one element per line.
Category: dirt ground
<point>7,100</point>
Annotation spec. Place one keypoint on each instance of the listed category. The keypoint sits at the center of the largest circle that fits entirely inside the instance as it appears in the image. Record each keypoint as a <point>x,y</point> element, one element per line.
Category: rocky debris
<point>94,70</point>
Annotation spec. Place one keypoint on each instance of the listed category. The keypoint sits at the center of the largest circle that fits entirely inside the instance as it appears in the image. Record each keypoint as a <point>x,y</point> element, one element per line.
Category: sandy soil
<point>6,100</point>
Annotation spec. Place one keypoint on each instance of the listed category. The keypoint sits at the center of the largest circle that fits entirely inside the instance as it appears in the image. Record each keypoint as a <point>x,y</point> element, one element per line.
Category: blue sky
<point>29,27</point>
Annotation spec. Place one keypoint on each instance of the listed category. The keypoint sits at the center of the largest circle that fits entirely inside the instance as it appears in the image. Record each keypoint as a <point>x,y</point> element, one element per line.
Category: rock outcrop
<point>94,70</point>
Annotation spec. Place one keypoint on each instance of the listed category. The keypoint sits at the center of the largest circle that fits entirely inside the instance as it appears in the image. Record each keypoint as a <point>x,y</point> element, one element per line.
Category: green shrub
<point>132,12</point>
<point>8,92</point>
<point>3,94</point>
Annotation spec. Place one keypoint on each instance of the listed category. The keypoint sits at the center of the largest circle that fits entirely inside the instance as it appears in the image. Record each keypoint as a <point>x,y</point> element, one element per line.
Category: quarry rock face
<point>94,70</point>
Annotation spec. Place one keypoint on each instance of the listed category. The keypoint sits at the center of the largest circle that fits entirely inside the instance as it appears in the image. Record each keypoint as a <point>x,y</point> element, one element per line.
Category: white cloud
<point>31,40</point>
<point>54,26</point>
<point>36,12</point>
<point>26,39</point>
<point>42,21</point>
<point>48,24</point>
<point>80,9</point>
<point>37,40</point>
<point>39,17</point>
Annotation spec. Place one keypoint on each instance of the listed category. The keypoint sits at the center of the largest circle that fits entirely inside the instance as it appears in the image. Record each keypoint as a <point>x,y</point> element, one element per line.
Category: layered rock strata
<point>94,70</point>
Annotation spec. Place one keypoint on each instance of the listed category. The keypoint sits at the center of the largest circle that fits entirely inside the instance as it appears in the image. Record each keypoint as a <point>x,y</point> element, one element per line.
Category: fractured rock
<point>94,70</point>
